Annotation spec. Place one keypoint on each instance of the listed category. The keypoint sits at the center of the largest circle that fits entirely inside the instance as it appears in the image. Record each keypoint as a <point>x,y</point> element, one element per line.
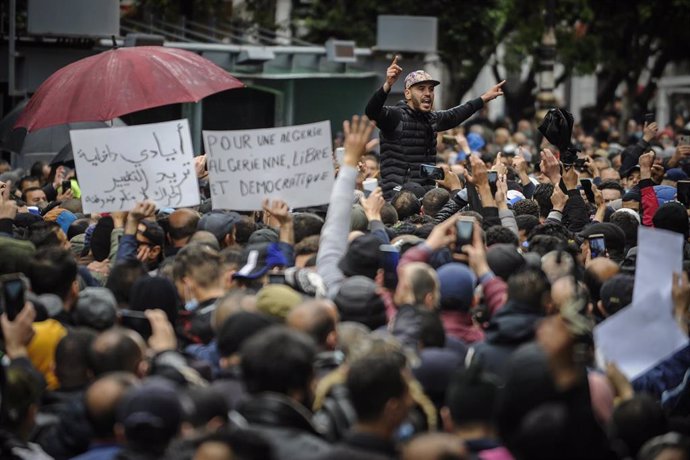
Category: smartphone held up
<point>464,231</point>
<point>13,288</point>
<point>597,245</point>
<point>431,172</point>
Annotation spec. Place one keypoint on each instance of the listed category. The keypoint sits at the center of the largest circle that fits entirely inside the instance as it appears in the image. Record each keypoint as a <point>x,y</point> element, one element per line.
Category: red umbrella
<point>121,81</point>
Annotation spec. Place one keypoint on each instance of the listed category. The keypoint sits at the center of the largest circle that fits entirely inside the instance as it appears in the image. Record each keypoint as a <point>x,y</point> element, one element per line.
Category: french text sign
<point>117,167</point>
<point>292,163</point>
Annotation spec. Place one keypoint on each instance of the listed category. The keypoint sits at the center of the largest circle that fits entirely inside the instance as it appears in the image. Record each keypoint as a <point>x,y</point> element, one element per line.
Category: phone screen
<point>587,187</point>
<point>493,177</point>
<point>390,256</point>
<point>683,139</point>
<point>465,230</point>
<point>597,246</point>
<point>431,171</point>
<point>13,297</point>
<point>683,190</point>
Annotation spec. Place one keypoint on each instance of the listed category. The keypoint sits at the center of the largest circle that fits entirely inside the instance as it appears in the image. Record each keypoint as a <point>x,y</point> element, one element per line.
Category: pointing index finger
<point>395,60</point>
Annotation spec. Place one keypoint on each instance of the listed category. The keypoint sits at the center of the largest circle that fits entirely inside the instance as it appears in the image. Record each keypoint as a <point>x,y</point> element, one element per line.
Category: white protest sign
<point>644,333</point>
<point>117,167</point>
<point>659,255</point>
<point>641,335</point>
<point>292,163</point>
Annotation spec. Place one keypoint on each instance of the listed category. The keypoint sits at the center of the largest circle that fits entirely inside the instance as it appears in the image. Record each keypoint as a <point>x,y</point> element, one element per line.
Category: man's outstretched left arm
<point>448,119</point>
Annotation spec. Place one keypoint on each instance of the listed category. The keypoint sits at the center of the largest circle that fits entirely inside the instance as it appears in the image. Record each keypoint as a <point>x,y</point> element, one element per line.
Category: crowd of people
<point>425,319</point>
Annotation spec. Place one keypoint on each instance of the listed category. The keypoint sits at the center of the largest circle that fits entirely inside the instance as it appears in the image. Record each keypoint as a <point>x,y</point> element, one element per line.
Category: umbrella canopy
<point>51,139</point>
<point>7,140</point>
<point>121,81</point>
<point>65,155</point>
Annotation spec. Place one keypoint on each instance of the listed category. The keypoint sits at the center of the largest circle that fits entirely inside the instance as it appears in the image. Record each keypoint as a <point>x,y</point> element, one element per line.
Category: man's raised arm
<point>375,110</point>
<point>448,119</point>
<point>334,234</point>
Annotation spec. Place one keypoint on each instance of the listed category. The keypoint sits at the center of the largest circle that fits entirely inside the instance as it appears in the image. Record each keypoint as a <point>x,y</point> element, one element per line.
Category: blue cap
<point>475,141</point>
<point>664,193</point>
<point>457,286</point>
<point>676,174</point>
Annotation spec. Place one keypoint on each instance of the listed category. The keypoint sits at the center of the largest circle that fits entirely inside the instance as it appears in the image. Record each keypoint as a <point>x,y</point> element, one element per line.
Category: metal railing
<point>221,32</point>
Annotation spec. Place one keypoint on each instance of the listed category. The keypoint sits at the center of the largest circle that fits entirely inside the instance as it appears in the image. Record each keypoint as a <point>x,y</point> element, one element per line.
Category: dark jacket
<point>667,380</point>
<point>408,137</point>
<point>529,387</point>
<point>630,156</point>
<point>229,383</point>
<point>362,446</point>
<point>406,325</point>
<point>575,213</point>
<point>285,424</point>
<point>70,435</point>
<point>510,327</point>
<point>131,454</point>
<point>336,415</point>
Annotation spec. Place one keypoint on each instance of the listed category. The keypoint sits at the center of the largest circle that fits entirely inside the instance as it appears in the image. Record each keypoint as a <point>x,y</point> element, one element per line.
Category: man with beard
<point>408,129</point>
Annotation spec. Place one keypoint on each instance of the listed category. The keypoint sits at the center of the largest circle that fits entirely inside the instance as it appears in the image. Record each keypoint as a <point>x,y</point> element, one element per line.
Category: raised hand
<point>162,332</point>
<point>598,197</point>
<point>550,166</point>
<point>571,179</point>
<point>680,292</point>
<point>501,191</point>
<point>357,135</point>
<point>392,74</point>
<point>479,173</point>
<point>558,198</point>
<point>373,204</point>
<point>142,210</point>
<point>520,164</point>
<point>650,131</point>
<point>498,166</point>
<point>8,209</point>
<point>65,195</point>
<point>450,180</point>
<point>18,333</point>
<point>493,92</point>
<point>443,234</point>
<point>646,162</point>
<point>462,143</point>
<point>277,209</point>
<point>476,252</point>
<point>200,166</point>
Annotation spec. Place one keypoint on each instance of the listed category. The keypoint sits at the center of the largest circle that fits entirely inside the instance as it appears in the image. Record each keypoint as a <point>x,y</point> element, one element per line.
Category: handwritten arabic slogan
<point>292,163</point>
<point>120,166</point>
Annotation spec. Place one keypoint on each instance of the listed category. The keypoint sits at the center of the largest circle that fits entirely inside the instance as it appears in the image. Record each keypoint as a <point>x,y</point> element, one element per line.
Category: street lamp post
<point>547,59</point>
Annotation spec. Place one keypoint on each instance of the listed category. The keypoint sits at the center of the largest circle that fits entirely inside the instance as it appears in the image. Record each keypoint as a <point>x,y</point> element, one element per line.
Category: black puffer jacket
<point>408,137</point>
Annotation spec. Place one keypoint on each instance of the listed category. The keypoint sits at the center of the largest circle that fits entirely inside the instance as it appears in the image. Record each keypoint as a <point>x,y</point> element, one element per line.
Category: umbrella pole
<point>192,111</point>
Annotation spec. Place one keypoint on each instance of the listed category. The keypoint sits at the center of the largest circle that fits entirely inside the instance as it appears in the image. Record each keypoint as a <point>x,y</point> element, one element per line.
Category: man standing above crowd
<point>408,129</point>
